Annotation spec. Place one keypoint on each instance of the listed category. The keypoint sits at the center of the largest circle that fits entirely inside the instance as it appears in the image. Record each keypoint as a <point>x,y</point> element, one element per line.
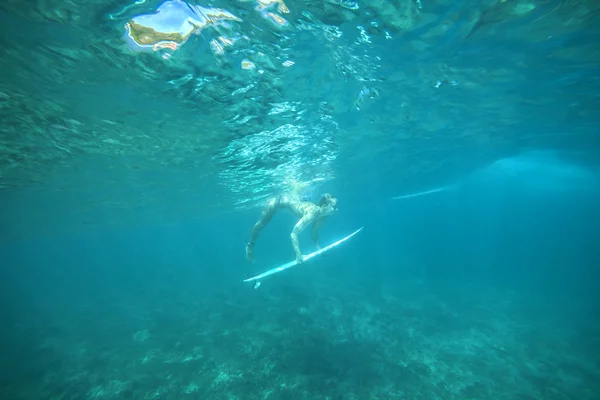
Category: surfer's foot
<point>250,252</point>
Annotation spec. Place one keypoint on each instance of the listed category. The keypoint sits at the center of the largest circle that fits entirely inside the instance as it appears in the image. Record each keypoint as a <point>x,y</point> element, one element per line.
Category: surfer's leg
<point>268,212</point>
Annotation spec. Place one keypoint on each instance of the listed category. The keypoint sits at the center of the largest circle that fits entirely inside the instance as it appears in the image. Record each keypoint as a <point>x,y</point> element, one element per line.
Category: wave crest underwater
<point>534,172</point>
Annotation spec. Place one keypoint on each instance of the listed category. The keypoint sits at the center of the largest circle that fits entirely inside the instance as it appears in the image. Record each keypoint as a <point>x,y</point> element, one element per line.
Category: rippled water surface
<point>245,96</point>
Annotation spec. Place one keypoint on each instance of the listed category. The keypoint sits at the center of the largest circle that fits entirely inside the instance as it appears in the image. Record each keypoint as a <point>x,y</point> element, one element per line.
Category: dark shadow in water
<point>329,367</point>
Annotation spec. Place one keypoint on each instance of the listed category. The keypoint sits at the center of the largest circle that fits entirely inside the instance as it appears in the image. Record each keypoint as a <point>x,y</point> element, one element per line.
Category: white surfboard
<point>307,257</point>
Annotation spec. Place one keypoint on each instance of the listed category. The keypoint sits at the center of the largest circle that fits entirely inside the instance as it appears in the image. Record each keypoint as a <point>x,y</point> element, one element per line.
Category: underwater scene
<point>300,199</point>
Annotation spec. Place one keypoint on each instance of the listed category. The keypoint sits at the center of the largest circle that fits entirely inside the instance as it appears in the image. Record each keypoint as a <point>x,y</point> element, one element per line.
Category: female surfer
<point>307,211</point>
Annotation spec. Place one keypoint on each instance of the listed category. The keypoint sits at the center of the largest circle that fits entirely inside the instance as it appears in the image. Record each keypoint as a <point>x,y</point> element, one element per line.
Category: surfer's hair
<point>325,199</point>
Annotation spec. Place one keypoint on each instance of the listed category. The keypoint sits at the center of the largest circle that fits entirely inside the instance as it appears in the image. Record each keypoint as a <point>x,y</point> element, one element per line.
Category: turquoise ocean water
<point>140,140</point>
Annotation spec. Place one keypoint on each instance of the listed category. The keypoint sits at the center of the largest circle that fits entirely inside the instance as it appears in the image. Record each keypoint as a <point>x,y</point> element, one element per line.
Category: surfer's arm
<point>300,226</point>
<point>316,227</point>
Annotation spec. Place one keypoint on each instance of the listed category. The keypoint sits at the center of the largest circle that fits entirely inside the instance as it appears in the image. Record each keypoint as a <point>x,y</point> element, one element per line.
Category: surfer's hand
<point>250,252</point>
<point>299,258</point>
